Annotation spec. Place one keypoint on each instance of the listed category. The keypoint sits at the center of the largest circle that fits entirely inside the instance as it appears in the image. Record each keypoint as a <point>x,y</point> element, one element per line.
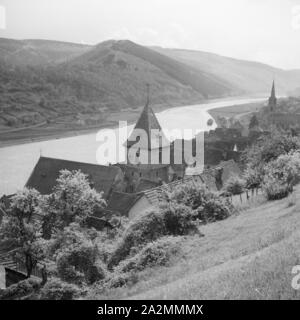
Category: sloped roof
<point>142,167</point>
<point>156,195</point>
<point>122,202</point>
<point>145,184</point>
<point>46,171</point>
<point>146,122</point>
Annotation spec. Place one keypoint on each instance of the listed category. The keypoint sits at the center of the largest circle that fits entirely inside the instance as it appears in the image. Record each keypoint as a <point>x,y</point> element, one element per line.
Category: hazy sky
<point>261,30</point>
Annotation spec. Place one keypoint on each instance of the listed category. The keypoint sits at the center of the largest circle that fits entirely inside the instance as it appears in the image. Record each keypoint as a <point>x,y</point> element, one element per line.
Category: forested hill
<point>42,80</point>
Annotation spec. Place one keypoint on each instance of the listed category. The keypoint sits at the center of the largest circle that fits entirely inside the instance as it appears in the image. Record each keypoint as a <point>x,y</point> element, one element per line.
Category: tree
<point>222,122</point>
<point>269,148</point>
<point>22,228</point>
<point>76,255</point>
<point>253,178</point>
<point>73,199</point>
<point>253,122</point>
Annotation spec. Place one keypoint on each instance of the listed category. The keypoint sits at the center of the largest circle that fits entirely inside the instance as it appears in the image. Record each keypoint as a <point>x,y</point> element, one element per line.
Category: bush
<point>117,280</point>
<point>158,253</point>
<point>79,265</point>
<point>208,206</point>
<point>253,177</point>
<point>20,289</point>
<point>56,289</point>
<point>269,148</point>
<point>167,220</point>
<point>215,209</point>
<point>235,185</point>
<point>281,175</point>
<point>275,190</point>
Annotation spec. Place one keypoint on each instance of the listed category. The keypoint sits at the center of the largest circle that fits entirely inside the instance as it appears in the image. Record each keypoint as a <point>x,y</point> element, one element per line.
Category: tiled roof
<point>145,184</point>
<point>156,195</point>
<point>46,171</point>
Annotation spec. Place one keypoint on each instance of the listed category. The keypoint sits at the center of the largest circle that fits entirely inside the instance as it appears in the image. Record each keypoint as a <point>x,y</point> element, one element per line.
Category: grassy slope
<point>248,256</point>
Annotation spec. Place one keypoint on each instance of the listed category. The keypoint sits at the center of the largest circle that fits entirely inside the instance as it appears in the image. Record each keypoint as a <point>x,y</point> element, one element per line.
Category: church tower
<point>147,140</point>
<point>272,100</point>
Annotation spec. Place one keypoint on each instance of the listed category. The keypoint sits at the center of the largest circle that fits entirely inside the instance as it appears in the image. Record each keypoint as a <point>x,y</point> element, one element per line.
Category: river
<point>18,161</point>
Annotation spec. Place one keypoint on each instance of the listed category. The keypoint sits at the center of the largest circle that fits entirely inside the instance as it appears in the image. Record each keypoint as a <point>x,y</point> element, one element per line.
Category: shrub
<point>253,177</point>
<point>76,256</point>
<point>235,185</point>
<point>269,148</point>
<point>78,264</point>
<point>214,209</point>
<point>120,280</point>
<point>167,220</point>
<point>208,206</point>
<point>56,289</point>
<point>20,289</point>
<point>157,253</point>
<point>281,175</point>
<point>275,190</point>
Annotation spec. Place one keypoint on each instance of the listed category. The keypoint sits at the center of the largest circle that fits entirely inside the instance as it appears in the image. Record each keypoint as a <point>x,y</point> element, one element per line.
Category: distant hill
<point>248,76</point>
<point>42,80</point>
<point>38,52</point>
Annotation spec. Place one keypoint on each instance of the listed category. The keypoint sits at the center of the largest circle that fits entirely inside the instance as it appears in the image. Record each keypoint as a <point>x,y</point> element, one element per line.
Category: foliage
<point>157,253</point>
<point>72,199</point>
<point>22,227</point>
<point>56,289</point>
<point>269,148</point>
<point>20,289</point>
<point>76,256</point>
<point>252,178</point>
<point>208,206</point>
<point>281,175</point>
<point>253,122</point>
<point>235,185</point>
<point>167,220</point>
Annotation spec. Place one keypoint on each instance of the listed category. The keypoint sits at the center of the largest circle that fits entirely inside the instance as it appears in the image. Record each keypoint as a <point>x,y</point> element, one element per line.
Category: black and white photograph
<point>149,150</point>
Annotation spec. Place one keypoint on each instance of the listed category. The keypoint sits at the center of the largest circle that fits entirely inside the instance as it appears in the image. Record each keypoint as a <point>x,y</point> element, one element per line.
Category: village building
<point>132,187</point>
<point>148,154</point>
<point>213,178</point>
<point>102,178</point>
<point>146,143</point>
<point>284,120</point>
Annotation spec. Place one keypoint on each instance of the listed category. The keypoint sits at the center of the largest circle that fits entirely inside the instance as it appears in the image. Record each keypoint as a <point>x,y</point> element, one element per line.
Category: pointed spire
<point>147,121</point>
<point>148,94</point>
<point>272,99</point>
<point>273,90</point>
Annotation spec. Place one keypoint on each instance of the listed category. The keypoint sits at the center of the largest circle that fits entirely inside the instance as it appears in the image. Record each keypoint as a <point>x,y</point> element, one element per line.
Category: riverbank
<point>56,131</point>
<point>239,112</point>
